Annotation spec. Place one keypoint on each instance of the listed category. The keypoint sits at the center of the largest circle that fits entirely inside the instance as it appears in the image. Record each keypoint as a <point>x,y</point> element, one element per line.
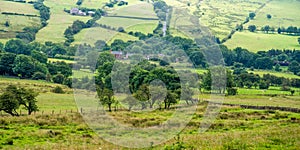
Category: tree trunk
<point>109,107</point>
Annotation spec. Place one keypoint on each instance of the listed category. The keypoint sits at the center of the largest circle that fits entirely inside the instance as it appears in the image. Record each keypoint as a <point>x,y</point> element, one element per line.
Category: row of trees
<point>78,25</point>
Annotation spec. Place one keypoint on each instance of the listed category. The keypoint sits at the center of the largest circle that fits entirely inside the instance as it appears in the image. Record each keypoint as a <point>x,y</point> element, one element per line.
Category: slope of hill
<point>14,17</point>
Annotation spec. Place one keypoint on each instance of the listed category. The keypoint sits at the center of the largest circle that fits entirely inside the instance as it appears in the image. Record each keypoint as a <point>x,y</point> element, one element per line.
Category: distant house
<point>74,11</point>
<point>77,11</point>
<point>117,54</point>
<point>91,13</point>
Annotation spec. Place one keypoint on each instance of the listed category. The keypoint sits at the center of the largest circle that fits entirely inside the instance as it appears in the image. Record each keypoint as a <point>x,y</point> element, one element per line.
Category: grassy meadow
<point>57,125</point>
<point>59,21</point>
<point>16,22</point>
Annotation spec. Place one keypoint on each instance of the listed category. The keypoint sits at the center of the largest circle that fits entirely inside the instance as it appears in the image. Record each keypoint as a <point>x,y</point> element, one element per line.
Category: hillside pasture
<point>140,9</point>
<point>258,41</point>
<point>20,8</point>
<point>277,74</point>
<point>222,17</point>
<point>125,22</point>
<point>59,21</point>
<point>284,14</point>
<point>91,35</point>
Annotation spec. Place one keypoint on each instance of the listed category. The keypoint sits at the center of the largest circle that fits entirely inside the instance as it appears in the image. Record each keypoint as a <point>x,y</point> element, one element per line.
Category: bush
<point>263,85</point>
<point>59,78</point>
<point>232,91</point>
<point>39,76</point>
<point>58,90</point>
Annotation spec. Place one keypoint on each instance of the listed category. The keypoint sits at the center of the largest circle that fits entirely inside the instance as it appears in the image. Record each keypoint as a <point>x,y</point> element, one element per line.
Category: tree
<point>6,63</point>
<point>266,28</point>
<point>26,66</point>
<point>28,100</point>
<point>263,63</point>
<point>130,101</point>
<point>91,59</point>
<point>277,68</point>
<point>269,16</point>
<point>106,97</point>
<point>39,76</point>
<point>105,57</point>
<point>294,67</point>
<point>252,28</point>
<point>299,40</point>
<point>17,46</point>
<point>59,78</point>
<point>7,24</point>
<point>252,15</point>
<point>170,99</point>
<point>121,29</point>
<point>9,103</point>
<point>143,95</point>
<point>263,85</point>
<point>13,97</point>
<point>39,56</point>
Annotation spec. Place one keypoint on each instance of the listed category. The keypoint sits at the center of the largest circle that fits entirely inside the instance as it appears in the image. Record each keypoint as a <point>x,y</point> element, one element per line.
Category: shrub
<point>59,78</point>
<point>232,91</point>
<point>39,76</point>
<point>58,90</point>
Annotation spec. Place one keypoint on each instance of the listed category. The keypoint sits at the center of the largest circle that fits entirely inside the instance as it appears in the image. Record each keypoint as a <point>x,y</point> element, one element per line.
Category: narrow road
<point>164,29</point>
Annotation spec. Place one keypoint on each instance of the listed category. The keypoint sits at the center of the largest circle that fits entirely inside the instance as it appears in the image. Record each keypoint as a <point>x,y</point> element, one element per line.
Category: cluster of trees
<point>261,59</point>
<point>28,61</point>
<point>28,34</point>
<point>139,83</point>
<point>161,9</point>
<point>112,3</point>
<point>44,11</point>
<point>13,97</point>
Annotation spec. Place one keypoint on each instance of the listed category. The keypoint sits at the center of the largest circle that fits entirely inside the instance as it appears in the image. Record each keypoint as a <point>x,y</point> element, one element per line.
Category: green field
<point>21,8</point>
<point>16,22</point>
<point>59,21</point>
<point>259,41</point>
<point>281,17</point>
<point>278,74</point>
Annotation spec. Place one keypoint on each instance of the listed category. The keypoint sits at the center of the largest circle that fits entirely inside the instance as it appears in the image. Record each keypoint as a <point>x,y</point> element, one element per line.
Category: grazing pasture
<point>259,41</point>
<point>59,21</point>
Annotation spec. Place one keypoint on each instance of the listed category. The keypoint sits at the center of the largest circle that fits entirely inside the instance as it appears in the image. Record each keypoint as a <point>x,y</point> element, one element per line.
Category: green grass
<point>59,21</point>
<point>280,17</point>
<point>124,37</point>
<point>138,9</point>
<point>259,41</point>
<point>143,27</point>
<point>59,60</point>
<point>278,74</point>
<point>82,73</point>
<point>222,17</point>
<point>21,8</point>
<point>91,35</point>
